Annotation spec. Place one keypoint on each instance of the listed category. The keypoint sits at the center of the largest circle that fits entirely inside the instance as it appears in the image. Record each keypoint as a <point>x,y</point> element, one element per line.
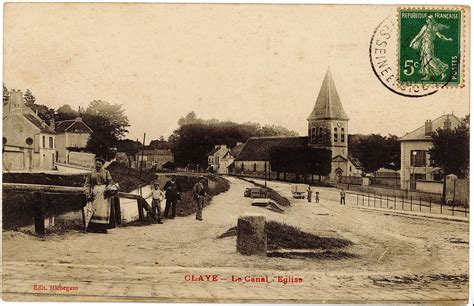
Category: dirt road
<point>398,258</point>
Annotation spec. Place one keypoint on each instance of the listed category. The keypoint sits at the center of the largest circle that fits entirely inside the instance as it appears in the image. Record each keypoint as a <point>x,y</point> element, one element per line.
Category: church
<point>327,129</point>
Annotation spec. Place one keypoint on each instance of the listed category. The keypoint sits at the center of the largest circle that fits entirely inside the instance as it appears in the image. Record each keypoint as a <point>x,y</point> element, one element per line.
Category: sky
<point>259,63</point>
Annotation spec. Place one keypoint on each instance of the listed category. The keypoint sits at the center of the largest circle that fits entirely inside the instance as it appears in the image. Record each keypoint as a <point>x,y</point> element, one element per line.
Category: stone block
<point>252,235</point>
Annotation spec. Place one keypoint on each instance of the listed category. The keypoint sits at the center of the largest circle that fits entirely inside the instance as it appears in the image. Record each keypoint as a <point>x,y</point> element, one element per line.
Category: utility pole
<point>143,149</point>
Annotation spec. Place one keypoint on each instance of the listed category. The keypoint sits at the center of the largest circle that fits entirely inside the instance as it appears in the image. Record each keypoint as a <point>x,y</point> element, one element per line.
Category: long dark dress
<point>95,185</point>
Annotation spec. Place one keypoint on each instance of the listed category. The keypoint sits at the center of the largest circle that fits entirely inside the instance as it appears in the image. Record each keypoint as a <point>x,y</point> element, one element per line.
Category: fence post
<point>441,206</point>
<point>395,201</point>
<point>403,202</point>
<point>411,203</point>
<point>452,208</point>
<point>465,210</point>
<point>380,201</point>
<point>357,199</point>
<point>430,204</point>
<point>38,213</point>
<point>141,215</point>
<point>387,201</point>
<point>420,203</point>
<point>363,196</point>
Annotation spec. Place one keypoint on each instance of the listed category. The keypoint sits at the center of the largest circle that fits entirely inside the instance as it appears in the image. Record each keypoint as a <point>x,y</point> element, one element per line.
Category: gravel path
<point>398,258</point>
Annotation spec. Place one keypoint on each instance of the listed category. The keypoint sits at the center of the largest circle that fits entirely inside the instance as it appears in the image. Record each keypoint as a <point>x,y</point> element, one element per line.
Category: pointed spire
<point>328,105</point>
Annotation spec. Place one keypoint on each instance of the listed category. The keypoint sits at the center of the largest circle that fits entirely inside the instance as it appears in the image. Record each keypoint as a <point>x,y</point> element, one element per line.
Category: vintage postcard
<point>236,153</point>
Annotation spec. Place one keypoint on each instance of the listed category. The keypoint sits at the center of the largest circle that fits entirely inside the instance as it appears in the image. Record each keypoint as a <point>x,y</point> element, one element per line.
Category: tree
<point>130,147</point>
<point>191,142</point>
<point>375,151</point>
<point>303,160</point>
<point>160,144</point>
<point>450,150</point>
<point>65,112</point>
<point>108,123</point>
<point>29,98</point>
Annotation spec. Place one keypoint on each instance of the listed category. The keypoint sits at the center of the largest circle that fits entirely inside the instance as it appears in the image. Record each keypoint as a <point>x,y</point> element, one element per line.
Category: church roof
<point>258,148</point>
<point>328,105</point>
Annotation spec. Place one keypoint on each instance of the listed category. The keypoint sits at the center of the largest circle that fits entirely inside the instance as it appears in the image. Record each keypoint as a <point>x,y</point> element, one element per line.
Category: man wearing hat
<point>173,194</point>
<point>199,192</point>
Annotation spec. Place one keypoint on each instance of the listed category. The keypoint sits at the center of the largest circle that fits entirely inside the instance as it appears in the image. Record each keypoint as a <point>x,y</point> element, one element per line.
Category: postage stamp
<point>429,46</point>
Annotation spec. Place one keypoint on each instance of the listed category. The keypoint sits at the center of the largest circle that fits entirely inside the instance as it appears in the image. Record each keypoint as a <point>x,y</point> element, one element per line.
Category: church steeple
<point>328,122</point>
<point>328,105</point>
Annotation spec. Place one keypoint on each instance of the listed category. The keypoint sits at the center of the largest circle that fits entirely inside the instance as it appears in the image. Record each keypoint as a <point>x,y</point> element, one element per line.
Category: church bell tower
<point>328,123</point>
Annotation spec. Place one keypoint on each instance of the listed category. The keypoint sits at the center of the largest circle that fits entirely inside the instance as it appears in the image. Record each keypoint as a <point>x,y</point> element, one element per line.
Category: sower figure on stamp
<point>173,194</point>
<point>157,196</point>
<point>342,193</point>
<point>310,192</point>
<point>199,192</point>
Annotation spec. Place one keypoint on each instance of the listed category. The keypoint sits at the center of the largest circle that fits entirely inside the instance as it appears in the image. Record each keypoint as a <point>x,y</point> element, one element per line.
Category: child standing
<point>316,197</point>
<point>157,196</point>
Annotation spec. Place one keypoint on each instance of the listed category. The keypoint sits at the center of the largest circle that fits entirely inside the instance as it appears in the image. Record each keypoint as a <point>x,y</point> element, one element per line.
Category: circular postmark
<point>384,60</point>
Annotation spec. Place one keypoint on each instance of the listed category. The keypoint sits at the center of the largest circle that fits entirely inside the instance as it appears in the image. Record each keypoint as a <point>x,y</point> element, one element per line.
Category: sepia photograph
<point>235,153</point>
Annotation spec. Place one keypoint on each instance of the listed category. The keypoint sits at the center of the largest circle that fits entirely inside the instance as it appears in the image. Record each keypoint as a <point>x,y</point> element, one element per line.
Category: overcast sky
<point>260,63</point>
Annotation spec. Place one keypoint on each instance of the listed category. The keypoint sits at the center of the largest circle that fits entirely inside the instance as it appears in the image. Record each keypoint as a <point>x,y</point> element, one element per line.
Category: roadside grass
<point>287,241</point>
<point>128,178</point>
<point>272,194</point>
<point>215,185</point>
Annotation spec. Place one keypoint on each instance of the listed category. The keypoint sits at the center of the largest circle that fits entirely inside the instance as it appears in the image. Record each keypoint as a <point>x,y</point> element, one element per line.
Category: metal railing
<point>411,203</point>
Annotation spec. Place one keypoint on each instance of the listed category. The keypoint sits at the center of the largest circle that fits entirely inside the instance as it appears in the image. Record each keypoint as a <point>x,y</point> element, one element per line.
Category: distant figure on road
<point>157,196</point>
<point>342,193</point>
<point>316,197</point>
<point>173,194</point>
<point>310,192</point>
<point>95,187</point>
<point>199,192</point>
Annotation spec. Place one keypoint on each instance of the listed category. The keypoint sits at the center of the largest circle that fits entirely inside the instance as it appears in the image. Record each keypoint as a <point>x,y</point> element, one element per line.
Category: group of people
<point>100,188</point>
<point>342,195</point>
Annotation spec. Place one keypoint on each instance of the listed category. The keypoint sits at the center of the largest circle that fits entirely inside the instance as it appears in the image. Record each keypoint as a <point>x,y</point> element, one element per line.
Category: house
<point>28,142</point>
<point>71,136</point>
<point>327,129</point>
<point>214,159</point>
<point>226,164</point>
<point>415,161</point>
<point>153,158</point>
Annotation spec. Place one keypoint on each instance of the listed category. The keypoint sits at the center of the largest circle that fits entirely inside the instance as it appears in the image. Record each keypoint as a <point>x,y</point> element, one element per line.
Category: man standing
<point>199,192</point>
<point>173,194</point>
<point>342,193</point>
<point>310,192</point>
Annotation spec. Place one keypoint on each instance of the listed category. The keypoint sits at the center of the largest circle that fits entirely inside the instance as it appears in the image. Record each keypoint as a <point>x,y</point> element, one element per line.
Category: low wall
<point>82,159</point>
<point>430,186</point>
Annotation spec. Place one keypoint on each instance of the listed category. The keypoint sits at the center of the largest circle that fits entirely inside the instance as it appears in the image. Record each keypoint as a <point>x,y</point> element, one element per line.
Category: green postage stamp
<point>430,46</point>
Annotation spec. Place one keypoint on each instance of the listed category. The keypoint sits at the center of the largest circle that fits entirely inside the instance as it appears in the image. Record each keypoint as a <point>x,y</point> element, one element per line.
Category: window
<point>313,135</point>
<point>417,158</point>
<point>350,168</point>
<point>44,141</point>
<point>343,136</point>
<point>320,134</point>
<point>254,167</point>
<point>335,134</point>
<point>51,143</point>
<point>242,168</point>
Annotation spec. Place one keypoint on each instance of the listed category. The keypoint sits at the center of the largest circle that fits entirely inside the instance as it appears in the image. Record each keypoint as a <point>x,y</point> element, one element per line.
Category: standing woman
<point>95,185</point>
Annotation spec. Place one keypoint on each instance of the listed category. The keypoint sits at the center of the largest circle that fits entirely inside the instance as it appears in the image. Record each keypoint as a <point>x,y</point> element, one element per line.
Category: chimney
<point>428,128</point>
<point>52,124</point>
<point>447,123</point>
<point>16,99</point>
